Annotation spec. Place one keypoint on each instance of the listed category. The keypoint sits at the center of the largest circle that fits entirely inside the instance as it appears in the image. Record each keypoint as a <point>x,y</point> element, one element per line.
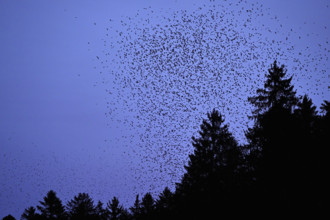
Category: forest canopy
<point>281,169</point>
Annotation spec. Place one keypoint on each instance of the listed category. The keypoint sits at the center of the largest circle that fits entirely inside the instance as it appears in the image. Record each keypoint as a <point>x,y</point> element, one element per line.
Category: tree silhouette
<point>164,198</point>
<point>212,169</point>
<point>136,208</point>
<point>101,212</point>
<point>9,217</point>
<point>81,207</point>
<point>125,215</point>
<point>270,143</point>
<point>320,159</point>
<point>30,214</point>
<point>51,207</point>
<point>164,203</point>
<point>147,206</point>
<point>277,91</point>
<point>283,146</point>
<point>115,210</point>
<point>282,170</point>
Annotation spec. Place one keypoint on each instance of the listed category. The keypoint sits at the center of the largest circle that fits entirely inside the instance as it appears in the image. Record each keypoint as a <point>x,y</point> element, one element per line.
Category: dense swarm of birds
<point>164,70</point>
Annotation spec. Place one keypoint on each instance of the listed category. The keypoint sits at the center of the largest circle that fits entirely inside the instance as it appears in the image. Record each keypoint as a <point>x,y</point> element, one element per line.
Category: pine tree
<point>277,91</point>
<point>51,207</point>
<point>212,169</point>
<point>274,105</point>
<point>81,207</point>
<point>271,141</point>
<point>165,199</point>
<point>136,208</point>
<point>115,210</point>
<point>147,206</point>
<point>320,185</point>
<point>306,113</point>
<point>101,212</point>
<point>164,204</point>
<point>9,217</point>
<point>306,123</point>
<point>214,150</point>
<point>30,214</point>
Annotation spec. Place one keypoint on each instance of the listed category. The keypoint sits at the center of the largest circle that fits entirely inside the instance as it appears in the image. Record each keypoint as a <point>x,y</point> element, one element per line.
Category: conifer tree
<point>306,123</point>
<point>306,112</point>
<point>81,207</point>
<point>9,217</point>
<point>136,208</point>
<point>277,91</point>
<point>215,149</point>
<point>164,204</point>
<point>273,108</point>
<point>51,207</point>
<point>321,159</point>
<point>147,206</point>
<point>30,214</point>
<point>101,212</point>
<point>271,140</point>
<point>212,169</point>
<point>164,200</point>
<point>115,210</point>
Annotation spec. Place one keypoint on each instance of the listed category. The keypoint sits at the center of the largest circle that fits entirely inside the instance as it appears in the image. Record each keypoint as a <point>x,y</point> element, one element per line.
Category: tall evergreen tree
<point>212,169</point>
<point>306,113</point>
<point>30,214</point>
<point>115,210</point>
<point>136,208</point>
<point>306,123</point>
<point>273,108</point>
<point>81,207</point>
<point>147,206</point>
<point>321,158</point>
<point>165,199</point>
<point>9,217</point>
<point>51,207</point>
<point>271,143</point>
<point>100,211</point>
<point>277,91</point>
<point>303,147</point>
<point>164,204</point>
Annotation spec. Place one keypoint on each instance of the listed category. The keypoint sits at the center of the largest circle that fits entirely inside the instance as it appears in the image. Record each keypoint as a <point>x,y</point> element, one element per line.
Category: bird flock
<point>164,70</point>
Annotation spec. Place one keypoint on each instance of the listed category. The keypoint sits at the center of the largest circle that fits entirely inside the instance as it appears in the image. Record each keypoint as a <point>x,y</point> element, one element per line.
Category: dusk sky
<point>102,97</point>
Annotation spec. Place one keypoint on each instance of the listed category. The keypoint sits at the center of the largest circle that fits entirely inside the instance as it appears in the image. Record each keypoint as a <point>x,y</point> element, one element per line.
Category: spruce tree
<point>147,206</point>
<point>30,214</point>
<point>81,207</point>
<point>273,107</point>
<point>165,199</point>
<point>9,217</point>
<point>212,169</point>
<point>136,208</point>
<point>115,210</point>
<point>100,211</point>
<point>271,140</point>
<point>164,204</point>
<point>51,207</point>
<point>321,159</point>
<point>277,91</point>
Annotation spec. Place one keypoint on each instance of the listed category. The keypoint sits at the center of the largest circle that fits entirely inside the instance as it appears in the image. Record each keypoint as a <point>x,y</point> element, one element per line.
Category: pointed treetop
<point>114,209</point>
<point>325,107</point>
<point>81,206</point>
<point>306,107</point>
<point>51,206</point>
<point>277,91</point>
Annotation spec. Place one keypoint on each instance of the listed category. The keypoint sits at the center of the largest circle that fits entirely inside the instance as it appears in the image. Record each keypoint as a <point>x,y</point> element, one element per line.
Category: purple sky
<point>56,131</point>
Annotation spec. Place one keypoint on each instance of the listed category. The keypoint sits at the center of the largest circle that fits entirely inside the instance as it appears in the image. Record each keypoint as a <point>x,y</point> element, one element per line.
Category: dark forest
<point>280,171</point>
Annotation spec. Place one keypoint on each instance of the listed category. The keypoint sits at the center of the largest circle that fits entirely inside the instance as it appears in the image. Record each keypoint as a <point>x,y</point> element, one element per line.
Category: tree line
<point>281,171</point>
